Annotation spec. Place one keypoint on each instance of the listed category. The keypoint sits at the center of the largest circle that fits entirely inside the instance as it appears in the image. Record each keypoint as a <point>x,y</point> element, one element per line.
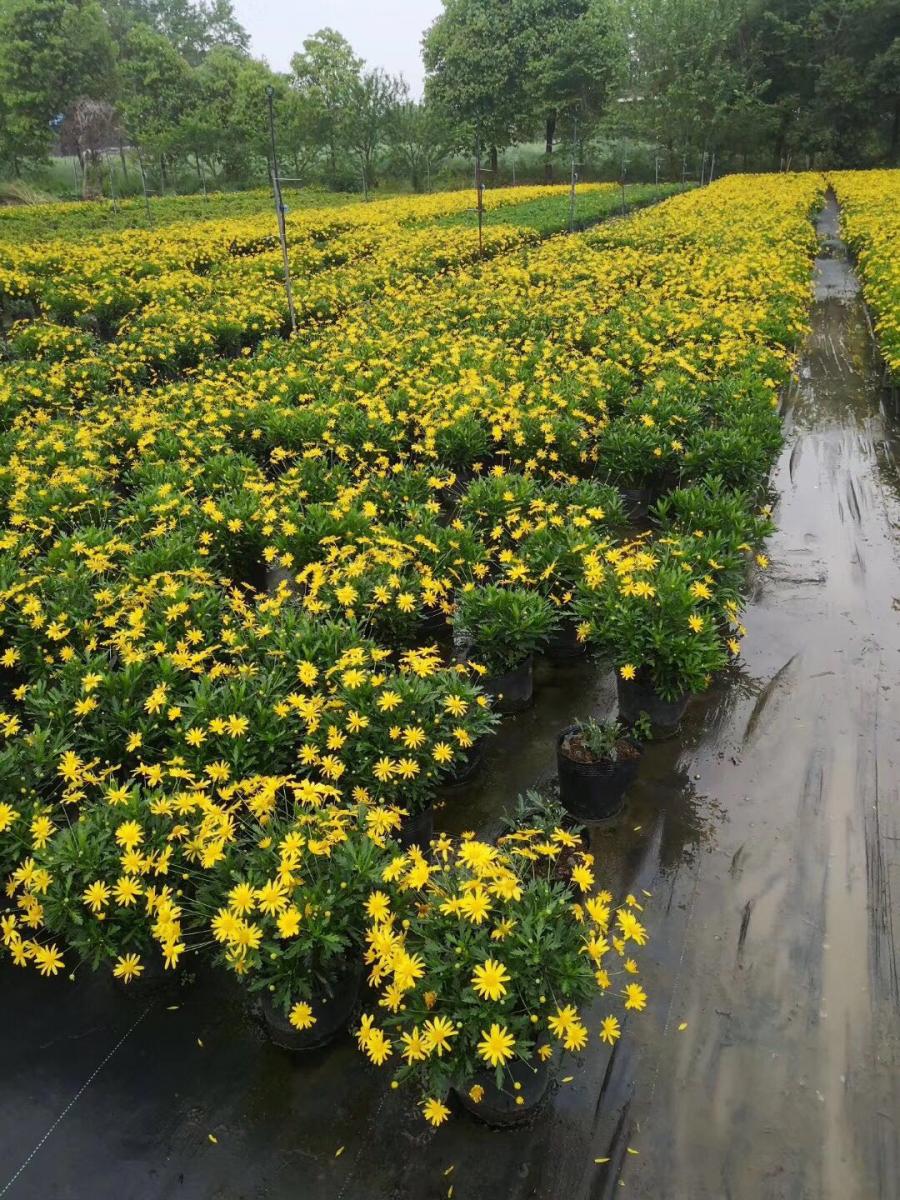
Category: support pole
<point>144,186</point>
<point>280,210</point>
<point>479,195</point>
<point>574,174</point>
<point>112,186</point>
<point>622,181</point>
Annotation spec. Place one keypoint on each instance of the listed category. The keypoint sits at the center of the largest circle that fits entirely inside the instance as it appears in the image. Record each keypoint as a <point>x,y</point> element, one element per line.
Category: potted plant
<point>543,811</point>
<point>636,454</point>
<point>719,526</point>
<point>539,532</point>
<point>286,906</point>
<point>501,628</point>
<point>483,961</point>
<point>94,888</point>
<point>596,762</point>
<point>392,733</point>
<point>651,611</point>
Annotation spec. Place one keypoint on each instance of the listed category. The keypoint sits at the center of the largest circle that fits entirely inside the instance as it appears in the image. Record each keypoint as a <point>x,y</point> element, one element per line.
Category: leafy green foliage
<point>504,625</point>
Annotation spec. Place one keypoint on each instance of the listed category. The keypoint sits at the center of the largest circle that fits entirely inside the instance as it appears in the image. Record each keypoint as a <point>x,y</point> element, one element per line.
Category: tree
<point>885,80</point>
<point>780,82</point>
<point>89,128</point>
<point>324,75</point>
<point>249,118</point>
<point>694,82</point>
<point>193,27</point>
<point>207,128</point>
<point>157,94</point>
<point>373,98</point>
<point>475,59</point>
<point>856,49</point>
<point>573,59</point>
<point>419,140</point>
<point>51,53</point>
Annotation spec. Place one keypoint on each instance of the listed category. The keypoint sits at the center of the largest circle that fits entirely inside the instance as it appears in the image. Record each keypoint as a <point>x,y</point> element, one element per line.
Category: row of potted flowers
<point>222,603</point>
<point>460,968</point>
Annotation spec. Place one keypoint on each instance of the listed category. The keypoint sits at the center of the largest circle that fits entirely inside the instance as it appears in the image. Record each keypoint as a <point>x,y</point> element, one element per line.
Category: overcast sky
<point>386,33</point>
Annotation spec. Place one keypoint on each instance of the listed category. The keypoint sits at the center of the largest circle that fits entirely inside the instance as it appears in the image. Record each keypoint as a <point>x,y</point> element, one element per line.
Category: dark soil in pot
<point>332,1012</point>
<point>591,789</point>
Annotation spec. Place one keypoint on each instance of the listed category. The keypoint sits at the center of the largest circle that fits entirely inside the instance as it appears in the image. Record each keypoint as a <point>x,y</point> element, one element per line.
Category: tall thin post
<point>574,174</point>
<point>144,186</point>
<point>479,195</point>
<point>624,165</point>
<point>280,210</point>
<point>112,187</point>
<point>712,167</point>
<point>683,168</point>
<point>514,172</point>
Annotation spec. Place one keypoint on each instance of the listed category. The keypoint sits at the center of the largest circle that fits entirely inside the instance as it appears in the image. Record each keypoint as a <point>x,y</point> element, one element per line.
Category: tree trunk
<point>895,133</point>
<point>550,133</point>
<point>123,160</point>
<point>164,178</point>
<point>494,165</point>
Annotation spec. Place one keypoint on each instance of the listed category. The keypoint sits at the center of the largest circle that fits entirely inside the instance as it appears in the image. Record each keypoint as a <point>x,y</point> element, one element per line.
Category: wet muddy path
<point>769,837</point>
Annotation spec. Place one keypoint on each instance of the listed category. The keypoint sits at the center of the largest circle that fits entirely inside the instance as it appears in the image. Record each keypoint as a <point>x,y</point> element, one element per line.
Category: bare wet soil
<point>768,834</point>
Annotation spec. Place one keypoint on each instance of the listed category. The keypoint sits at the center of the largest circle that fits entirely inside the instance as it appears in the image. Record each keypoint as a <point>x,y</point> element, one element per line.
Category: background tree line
<point>169,88</point>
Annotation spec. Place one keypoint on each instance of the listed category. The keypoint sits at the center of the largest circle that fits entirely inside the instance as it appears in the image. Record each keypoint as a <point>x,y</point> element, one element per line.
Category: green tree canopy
<point>51,53</point>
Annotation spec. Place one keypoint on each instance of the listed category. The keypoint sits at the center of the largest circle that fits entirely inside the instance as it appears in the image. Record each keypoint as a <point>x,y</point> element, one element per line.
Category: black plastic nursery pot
<point>512,691</point>
<point>468,766</point>
<point>525,1086</point>
<point>637,697</point>
<point>332,1012</point>
<point>434,626</point>
<point>564,646</point>
<point>594,791</point>
<point>417,829</point>
<point>637,502</point>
